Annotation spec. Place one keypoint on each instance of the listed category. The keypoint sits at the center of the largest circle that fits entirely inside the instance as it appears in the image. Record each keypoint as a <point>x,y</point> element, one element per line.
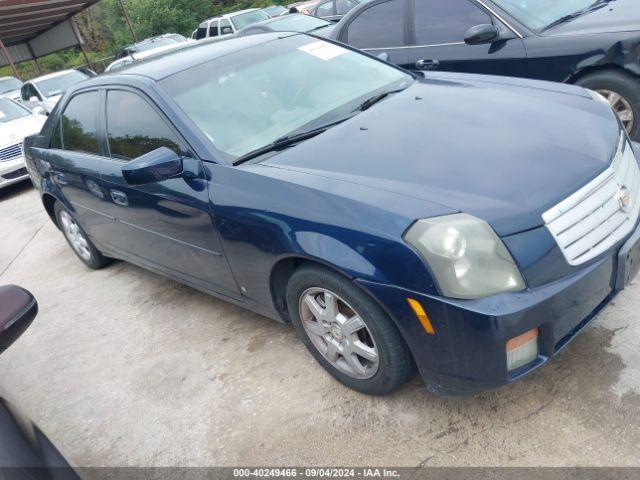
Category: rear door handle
<point>430,64</point>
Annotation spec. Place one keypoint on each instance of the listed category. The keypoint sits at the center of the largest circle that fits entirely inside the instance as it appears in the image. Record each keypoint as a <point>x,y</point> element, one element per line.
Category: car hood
<point>617,16</point>
<point>16,130</point>
<point>504,150</point>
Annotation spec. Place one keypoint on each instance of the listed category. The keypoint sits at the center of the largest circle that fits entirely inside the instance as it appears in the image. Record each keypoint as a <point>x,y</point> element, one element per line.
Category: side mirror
<point>18,309</point>
<point>482,34</point>
<point>34,99</point>
<point>156,166</point>
<point>384,56</point>
<point>226,31</point>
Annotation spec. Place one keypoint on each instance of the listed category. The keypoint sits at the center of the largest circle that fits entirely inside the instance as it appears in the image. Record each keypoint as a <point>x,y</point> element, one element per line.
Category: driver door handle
<point>430,64</point>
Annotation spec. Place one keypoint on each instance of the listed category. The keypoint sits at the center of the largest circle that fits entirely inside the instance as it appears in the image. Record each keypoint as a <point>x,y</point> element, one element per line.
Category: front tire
<point>347,332</point>
<point>78,240</point>
<point>623,93</point>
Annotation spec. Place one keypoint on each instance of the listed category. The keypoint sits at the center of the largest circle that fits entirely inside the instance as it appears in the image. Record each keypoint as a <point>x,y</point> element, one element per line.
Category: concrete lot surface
<point>123,367</point>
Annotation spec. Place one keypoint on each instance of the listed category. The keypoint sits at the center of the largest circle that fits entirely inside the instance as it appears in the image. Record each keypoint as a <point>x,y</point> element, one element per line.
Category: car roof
<point>196,53</point>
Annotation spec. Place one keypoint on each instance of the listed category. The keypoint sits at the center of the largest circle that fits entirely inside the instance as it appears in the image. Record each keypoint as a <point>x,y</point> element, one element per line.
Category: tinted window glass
<point>29,91</point>
<point>213,29</point>
<point>325,9</point>
<point>379,26</point>
<point>79,123</point>
<point>201,33</point>
<point>446,21</point>
<point>343,6</point>
<point>56,137</point>
<point>134,128</point>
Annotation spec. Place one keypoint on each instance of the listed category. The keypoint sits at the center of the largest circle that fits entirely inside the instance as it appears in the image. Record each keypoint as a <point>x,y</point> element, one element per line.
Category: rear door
<point>380,28</point>
<point>75,157</point>
<point>437,30</point>
<point>165,225</point>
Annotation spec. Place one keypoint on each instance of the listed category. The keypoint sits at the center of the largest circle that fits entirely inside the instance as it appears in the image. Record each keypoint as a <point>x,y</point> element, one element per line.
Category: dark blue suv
<point>592,43</point>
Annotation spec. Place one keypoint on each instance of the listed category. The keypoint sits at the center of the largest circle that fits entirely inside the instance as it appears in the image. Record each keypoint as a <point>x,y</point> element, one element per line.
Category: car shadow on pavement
<point>14,190</point>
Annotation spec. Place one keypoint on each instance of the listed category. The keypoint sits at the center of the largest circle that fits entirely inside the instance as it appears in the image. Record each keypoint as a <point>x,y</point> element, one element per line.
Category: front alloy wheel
<point>339,333</point>
<point>622,107</point>
<point>347,332</point>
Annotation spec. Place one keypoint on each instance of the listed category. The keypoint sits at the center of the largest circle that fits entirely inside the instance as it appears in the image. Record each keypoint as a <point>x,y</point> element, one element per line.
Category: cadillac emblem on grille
<point>624,198</point>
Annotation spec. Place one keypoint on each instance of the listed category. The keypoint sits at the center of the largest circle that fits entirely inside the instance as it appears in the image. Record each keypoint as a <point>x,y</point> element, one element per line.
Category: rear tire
<point>623,92</point>
<point>347,332</point>
<point>78,240</point>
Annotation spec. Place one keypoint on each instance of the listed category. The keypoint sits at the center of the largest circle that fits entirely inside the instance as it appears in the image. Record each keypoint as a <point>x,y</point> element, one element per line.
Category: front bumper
<point>12,171</point>
<point>468,351</point>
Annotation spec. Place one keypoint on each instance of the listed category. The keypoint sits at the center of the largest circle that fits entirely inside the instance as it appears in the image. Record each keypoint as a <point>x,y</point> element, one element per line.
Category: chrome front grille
<point>11,152</point>
<point>602,213</point>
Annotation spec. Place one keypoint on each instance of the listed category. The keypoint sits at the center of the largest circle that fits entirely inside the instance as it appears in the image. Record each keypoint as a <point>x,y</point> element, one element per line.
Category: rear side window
<point>379,26</point>
<point>80,125</point>
<point>201,32</point>
<point>446,21</point>
<point>134,128</point>
<point>213,29</point>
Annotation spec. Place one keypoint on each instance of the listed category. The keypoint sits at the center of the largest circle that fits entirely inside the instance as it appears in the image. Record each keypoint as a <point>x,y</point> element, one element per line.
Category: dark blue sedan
<point>591,43</point>
<point>470,226</point>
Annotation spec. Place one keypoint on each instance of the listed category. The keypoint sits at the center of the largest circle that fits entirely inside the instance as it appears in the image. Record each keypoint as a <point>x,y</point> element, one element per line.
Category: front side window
<point>379,26</point>
<point>252,97</point>
<point>325,9</point>
<point>54,86</point>
<point>28,91</point>
<point>134,128</point>
<point>225,27</point>
<point>446,21</point>
<point>79,123</point>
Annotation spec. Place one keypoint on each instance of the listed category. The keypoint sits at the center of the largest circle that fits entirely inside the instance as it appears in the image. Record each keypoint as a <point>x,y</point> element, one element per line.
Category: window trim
<point>152,105</point>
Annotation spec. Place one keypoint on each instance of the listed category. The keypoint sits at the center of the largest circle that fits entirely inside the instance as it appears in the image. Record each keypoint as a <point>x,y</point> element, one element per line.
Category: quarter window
<point>379,26</point>
<point>135,128</point>
<point>446,21</point>
<point>79,123</point>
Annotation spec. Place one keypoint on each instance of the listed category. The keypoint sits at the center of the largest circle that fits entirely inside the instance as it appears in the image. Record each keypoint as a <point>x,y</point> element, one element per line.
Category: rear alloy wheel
<point>78,239</point>
<point>347,332</point>
<point>622,91</point>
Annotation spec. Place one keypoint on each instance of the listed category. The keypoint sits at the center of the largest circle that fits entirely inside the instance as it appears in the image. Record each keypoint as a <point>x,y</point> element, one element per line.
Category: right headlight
<point>466,256</point>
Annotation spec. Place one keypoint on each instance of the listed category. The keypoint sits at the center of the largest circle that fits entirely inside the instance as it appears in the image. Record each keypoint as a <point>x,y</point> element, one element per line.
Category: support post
<point>126,17</point>
<point>81,44</point>
<point>9,59</point>
<point>35,60</point>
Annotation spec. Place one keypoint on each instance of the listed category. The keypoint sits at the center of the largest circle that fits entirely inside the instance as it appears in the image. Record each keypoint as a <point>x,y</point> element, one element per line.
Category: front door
<point>165,225</point>
<point>437,30</point>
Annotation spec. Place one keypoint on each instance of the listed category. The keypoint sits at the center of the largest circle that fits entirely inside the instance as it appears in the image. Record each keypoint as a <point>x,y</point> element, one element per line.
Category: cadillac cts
<point>470,226</point>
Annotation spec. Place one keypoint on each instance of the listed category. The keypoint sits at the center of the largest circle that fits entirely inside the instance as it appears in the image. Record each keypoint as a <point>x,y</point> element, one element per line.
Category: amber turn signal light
<point>422,316</point>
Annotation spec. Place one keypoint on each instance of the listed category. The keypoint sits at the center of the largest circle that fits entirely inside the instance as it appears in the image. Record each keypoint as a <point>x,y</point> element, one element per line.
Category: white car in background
<point>16,123</point>
<point>41,94</point>
<point>230,23</point>
<point>10,87</point>
<point>139,56</point>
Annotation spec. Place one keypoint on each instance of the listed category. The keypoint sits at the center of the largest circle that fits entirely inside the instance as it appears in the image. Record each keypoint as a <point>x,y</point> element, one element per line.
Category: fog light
<point>522,349</point>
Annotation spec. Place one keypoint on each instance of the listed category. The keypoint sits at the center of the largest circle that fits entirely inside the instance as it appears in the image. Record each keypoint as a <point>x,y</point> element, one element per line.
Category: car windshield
<point>251,98</point>
<point>245,19</point>
<point>538,14</point>
<point>51,87</point>
<point>298,23</point>
<point>10,111</point>
<point>9,84</point>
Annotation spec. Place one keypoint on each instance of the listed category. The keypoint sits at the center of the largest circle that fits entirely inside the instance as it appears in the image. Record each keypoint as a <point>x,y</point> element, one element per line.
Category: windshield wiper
<point>567,18</point>
<point>288,141</point>
<point>371,101</point>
